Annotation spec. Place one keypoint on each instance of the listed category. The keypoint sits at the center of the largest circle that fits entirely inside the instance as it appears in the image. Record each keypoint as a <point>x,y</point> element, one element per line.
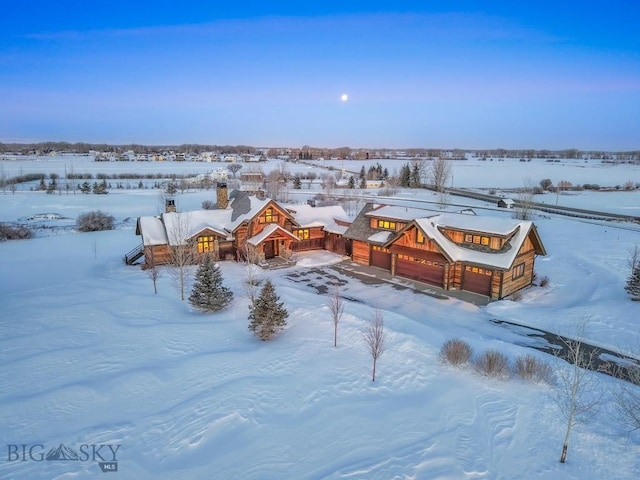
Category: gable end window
<point>518,271</point>
<point>205,244</point>
<point>269,216</point>
<point>419,236</point>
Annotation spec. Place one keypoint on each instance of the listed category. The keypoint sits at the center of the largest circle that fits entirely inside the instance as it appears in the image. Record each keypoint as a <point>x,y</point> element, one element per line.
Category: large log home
<point>492,256</point>
<point>242,225</point>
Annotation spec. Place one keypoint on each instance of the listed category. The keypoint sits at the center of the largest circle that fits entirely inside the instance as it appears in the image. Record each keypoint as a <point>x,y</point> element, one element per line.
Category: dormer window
<point>387,224</point>
<point>477,239</point>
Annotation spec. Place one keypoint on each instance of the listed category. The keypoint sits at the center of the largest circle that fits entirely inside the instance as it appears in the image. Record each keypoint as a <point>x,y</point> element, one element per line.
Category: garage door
<point>381,257</point>
<point>427,271</point>
<point>477,280</point>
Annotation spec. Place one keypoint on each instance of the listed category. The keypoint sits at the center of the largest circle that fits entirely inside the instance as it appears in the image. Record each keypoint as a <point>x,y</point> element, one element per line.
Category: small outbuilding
<point>506,203</point>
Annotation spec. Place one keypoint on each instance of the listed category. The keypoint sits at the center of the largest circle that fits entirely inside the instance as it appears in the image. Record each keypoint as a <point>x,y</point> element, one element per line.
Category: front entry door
<point>269,250</point>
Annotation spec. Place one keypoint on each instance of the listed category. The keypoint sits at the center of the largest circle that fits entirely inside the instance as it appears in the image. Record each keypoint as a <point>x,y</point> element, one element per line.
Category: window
<point>477,239</point>
<point>206,244</point>
<point>269,216</point>
<point>419,236</point>
<point>302,234</point>
<point>380,249</point>
<point>518,271</point>
<point>478,270</point>
<point>386,224</point>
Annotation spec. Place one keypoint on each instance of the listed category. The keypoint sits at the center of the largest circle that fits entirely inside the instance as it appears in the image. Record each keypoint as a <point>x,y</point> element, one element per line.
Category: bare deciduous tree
<point>251,258</point>
<point>439,173</point>
<point>374,338</point>
<point>577,394</point>
<point>153,271</point>
<point>181,248</point>
<point>234,168</point>
<point>336,306</point>
<point>524,201</point>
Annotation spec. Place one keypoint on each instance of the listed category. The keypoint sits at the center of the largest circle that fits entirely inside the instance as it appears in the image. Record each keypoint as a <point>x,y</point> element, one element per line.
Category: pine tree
<point>405,176</point>
<point>208,293</point>
<point>633,284</point>
<point>268,316</point>
<point>297,183</point>
<point>352,182</point>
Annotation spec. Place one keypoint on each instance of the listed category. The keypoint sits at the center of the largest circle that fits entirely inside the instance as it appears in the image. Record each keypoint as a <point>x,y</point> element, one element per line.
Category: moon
<point>344,97</point>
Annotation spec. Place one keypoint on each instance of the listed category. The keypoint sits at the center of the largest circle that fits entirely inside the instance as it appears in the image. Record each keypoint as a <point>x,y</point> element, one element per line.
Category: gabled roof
<point>152,231</point>
<point>515,231</point>
<point>327,217</point>
<point>268,231</point>
<point>361,229</point>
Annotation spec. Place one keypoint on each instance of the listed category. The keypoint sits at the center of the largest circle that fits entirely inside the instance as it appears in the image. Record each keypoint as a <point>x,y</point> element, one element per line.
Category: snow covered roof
<point>185,225</point>
<point>398,213</point>
<point>268,230</point>
<point>152,231</point>
<point>308,216</point>
<point>381,237</point>
<point>432,228</point>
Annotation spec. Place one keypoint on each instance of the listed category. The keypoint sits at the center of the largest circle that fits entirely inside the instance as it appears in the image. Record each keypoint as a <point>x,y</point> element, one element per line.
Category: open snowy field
<point>90,356</point>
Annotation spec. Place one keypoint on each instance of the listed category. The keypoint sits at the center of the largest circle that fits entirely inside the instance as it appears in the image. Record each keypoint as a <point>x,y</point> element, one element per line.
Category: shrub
<point>493,364</point>
<point>7,232</point>
<point>94,221</point>
<point>456,352</point>
<point>208,205</point>
<point>534,370</point>
<point>544,281</point>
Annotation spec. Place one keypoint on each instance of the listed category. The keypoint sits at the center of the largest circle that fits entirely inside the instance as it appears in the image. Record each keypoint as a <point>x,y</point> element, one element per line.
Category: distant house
<point>506,203</point>
<point>374,183</point>
<point>487,255</point>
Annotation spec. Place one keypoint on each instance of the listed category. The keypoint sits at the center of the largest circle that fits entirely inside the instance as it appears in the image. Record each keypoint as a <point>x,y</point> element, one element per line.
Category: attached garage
<point>380,257</point>
<point>424,266</point>
<point>477,280</point>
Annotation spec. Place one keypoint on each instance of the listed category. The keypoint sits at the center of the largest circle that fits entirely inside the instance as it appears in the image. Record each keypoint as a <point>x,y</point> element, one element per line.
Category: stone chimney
<point>222,195</point>
<point>260,194</point>
<point>169,205</point>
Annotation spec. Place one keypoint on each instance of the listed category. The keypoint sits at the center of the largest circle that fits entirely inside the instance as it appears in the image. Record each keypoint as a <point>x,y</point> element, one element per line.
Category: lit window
<point>269,216</point>
<point>205,244</point>
<point>303,234</point>
<point>419,236</point>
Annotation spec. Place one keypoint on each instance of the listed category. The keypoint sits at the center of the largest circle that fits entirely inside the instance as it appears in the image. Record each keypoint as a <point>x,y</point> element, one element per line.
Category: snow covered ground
<point>89,355</point>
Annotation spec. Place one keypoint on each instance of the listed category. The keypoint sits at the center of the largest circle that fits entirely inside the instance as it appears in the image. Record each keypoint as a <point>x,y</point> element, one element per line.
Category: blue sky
<point>418,74</point>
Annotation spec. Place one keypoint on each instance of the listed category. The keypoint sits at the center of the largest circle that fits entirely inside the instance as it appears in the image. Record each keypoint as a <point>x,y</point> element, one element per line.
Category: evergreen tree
<point>414,181</point>
<point>352,182</point>
<point>268,316</point>
<point>633,284</point>
<point>85,187</point>
<point>172,189</point>
<point>363,183</point>
<point>362,173</point>
<point>297,183</point>
<point>405,175</point>
<point>208,293</point>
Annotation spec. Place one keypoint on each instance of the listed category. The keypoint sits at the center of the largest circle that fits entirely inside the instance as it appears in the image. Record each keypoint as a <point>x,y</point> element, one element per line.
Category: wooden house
<point>491,256</point>
<point>243,225</point>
